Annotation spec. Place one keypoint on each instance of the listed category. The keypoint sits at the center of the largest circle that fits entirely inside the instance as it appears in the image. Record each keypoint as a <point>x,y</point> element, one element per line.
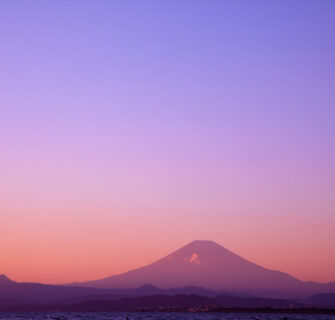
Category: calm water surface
<point>160,316</point>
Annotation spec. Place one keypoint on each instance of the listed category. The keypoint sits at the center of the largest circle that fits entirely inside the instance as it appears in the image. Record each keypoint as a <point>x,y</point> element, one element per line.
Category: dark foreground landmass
<point>177,303</point>
<point>22,297</point>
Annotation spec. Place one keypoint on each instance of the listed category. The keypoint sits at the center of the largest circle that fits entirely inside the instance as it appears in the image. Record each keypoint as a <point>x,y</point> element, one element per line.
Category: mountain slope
<point>325,300</point>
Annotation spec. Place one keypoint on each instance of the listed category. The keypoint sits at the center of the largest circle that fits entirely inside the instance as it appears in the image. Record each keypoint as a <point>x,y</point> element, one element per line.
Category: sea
<point>160,316</point>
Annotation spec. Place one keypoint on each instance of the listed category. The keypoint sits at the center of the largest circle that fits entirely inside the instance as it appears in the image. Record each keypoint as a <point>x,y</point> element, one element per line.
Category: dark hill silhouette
<point>149,303</point>
<point>4,279</point>
<point>209,265</point>
<point>12,292</point>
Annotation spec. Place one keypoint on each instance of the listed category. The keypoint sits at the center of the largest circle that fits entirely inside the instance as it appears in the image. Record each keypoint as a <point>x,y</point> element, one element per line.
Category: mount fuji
<point>208,265</point>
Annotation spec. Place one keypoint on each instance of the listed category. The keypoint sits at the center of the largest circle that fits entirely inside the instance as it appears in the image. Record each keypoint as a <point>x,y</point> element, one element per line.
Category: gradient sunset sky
<point>129,128</point>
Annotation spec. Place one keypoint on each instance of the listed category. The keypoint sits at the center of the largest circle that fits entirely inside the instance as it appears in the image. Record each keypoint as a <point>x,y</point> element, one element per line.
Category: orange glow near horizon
<point>63,248</point>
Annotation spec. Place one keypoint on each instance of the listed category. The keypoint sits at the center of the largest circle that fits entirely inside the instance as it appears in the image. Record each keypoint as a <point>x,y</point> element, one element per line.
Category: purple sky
<point>221,109</point>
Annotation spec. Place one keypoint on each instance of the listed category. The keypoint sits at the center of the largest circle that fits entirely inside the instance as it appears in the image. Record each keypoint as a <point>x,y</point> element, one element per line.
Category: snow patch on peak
<point>194,259</point>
